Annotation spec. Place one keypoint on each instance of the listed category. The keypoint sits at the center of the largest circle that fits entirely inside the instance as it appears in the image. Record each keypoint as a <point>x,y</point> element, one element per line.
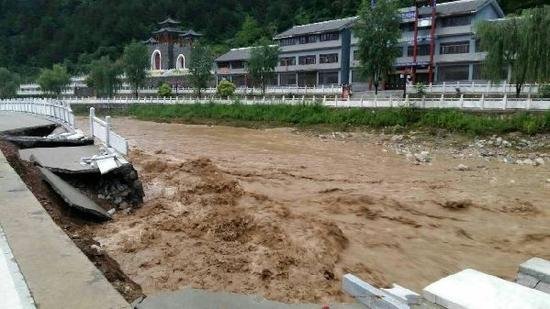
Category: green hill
<point>37,33</point>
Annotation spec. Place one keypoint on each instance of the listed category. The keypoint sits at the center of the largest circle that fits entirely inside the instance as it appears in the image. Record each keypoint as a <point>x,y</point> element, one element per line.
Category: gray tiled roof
<point>169,21</point>
<point>235,54</point>
<point>448,8</point>
<point>325,26</point>
<point>168,29</point>
<point>191,33</point>
<point>150,41</point>
<point>458,7</point>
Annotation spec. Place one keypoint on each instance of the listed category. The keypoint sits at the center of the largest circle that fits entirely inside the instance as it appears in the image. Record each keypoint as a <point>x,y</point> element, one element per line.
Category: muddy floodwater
<point>284,214</point>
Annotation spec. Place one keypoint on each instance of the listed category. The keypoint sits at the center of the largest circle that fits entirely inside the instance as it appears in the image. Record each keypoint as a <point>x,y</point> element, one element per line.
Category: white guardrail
<point>60,112</point>
<point>475,88</point>
<point>55,110</point>
<point>102,130</point>
<point>482,103</point>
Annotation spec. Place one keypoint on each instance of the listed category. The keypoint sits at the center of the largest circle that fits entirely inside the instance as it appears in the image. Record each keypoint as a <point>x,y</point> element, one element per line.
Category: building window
<point>399,51</point>
<point>328,58</point>
<point>180,62</point>
<point>477,73</point>
<point>223,65</point>
<point>237,65</point>
<point>423,50</point>
<point>287,61</point>
<point>455,48</point>
<point>453,21</point>
<point>306,39</point>
<point>356,55</point>
<point>407,27</point>
<point>287,41</point>
<point>331,36</point>
<point>156,60</point>
<point>478,46</point>
<point>288,79</point>
<point>453,73</point>
<point>240,80</point>
<point>310,59</point>
<point>328,78</point>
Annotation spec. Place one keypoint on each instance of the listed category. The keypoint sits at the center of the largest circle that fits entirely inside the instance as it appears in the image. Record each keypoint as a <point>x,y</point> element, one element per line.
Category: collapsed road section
<point>78,182</point>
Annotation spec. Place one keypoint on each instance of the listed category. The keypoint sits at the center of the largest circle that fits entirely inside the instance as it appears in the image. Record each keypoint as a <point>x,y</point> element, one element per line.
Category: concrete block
<point>543,287</point>
<point>527,280</point>
<point>473,289</point>
<point>403,294</point>
<point>369,295</point>
<point>536,267</point>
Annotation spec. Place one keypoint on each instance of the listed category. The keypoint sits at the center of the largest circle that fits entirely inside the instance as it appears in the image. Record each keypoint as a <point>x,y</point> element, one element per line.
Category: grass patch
<point>342,118</point>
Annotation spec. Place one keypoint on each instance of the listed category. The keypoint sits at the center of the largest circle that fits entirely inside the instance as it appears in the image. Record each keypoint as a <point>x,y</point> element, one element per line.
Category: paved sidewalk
<point>57,273</point>
<point>11,121</point>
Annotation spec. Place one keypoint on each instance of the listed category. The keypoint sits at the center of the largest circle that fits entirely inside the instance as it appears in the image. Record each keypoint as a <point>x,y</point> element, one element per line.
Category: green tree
<point>135,62</point>
<point>54,80</point>
<point>250,32</point>
<point>200,67</point>
<point>262,63</point>
<point>9,83</point>
<point>165,90</point>
<point>226,89</point>
<point>517,47</point>
<point>104,77</point>
<point>378,32</point>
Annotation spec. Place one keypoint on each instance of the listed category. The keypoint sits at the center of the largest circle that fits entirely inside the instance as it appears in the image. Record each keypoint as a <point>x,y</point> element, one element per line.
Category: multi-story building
<point>324,53</point>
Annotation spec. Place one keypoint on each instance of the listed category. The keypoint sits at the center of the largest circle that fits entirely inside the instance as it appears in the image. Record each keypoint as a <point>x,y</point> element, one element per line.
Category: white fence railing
<point>481,103</point>
<point>34,90</point>
<point>55,110</point>
<point>476,88</point>
<point>102,130</point>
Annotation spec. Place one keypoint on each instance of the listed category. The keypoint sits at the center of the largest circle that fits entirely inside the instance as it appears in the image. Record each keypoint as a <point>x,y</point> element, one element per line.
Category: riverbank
<point>314,115</point>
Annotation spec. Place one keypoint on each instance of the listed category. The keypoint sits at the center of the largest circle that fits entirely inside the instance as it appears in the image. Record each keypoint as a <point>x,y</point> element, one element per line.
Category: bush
<point>544,91</point>
<point>420,89</point>
<point>165,90</point>
<point>55,80</point>
<point>226,89</point>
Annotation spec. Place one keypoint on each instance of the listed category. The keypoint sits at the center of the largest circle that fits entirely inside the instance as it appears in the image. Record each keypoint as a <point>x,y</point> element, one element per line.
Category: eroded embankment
<point>72,223</point>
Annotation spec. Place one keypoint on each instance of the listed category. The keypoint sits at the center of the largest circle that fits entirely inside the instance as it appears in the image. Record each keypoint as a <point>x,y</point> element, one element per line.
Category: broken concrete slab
<point>536,267</point>
<point>405,295</point>
<point>66,160</point>
<point>24,142</point>
<point>473,289</point>
<point>369,295</point>
<point>12,123</point>
<point>527,280</point>
<point>72,196</point>
<point>200,299</point>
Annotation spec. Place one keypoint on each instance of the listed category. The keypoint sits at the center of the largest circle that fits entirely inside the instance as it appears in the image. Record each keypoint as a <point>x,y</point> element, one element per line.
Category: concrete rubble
<point>466,289</point>
<point>72,196</point>
<point>110,177</point>
<point>68,139</point>
<point>535,274</point>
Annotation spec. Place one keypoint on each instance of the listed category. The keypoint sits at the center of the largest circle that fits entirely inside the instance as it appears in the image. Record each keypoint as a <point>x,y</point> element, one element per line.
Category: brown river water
<point>285,214</point>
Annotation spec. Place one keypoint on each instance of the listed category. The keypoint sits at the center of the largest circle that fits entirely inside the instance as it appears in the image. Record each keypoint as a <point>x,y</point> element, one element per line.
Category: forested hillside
<point>37,33</point>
